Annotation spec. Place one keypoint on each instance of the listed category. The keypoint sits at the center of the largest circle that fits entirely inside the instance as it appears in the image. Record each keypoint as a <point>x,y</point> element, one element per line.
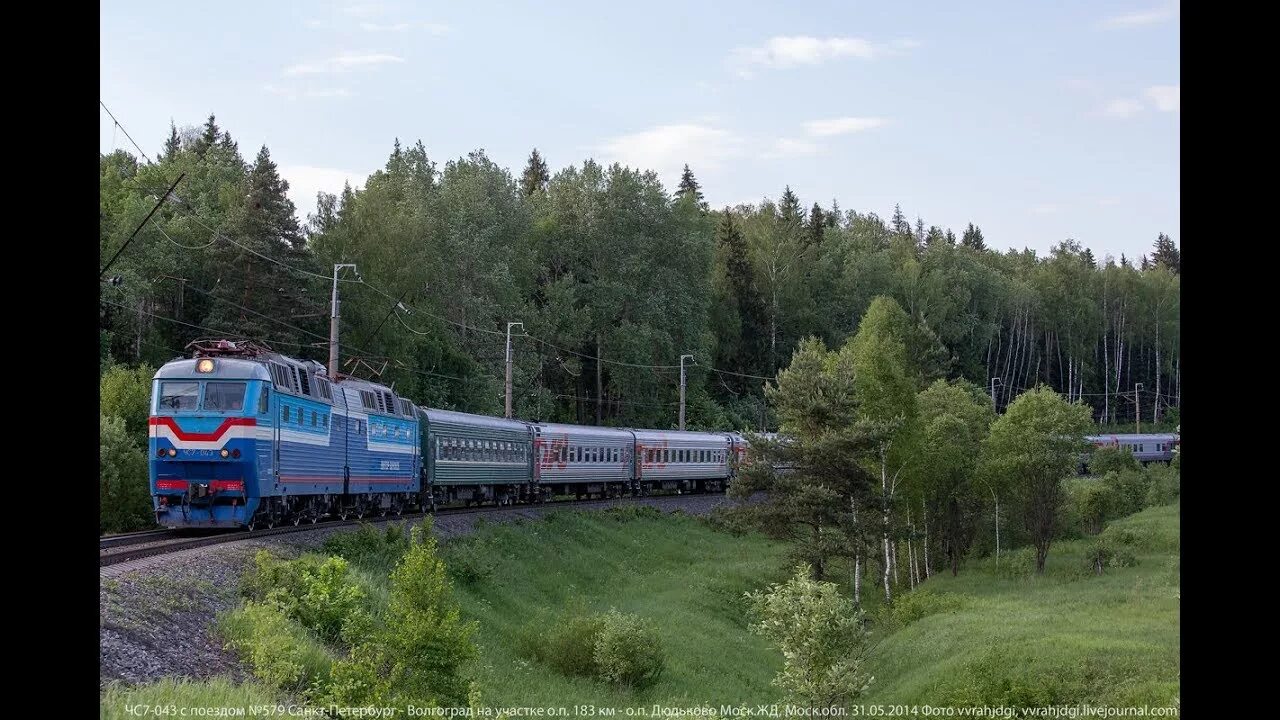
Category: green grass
<point>1065,637</point>
<point>673,570</point>
<point>214,694</point>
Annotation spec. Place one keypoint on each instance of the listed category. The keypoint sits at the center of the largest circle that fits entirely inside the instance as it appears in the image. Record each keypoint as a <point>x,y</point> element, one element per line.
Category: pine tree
<point>172,146</point>
<point>272,213</point>
<point>899,223</point>
<point>1124,261</point>
<point>833,217</point>
<point>750,305</point>
<point>535,176</point>
<point>919,230</point>
<point>688,185</point>
<point>934,236</point>
<point>951,237</point>
<point>208,136</point>
<point>817,225</point>
<point>1089,260</point>
<point>1167,254</point>
<point>973,238</point>
<point>789,207</point>
<point>1146,264</point>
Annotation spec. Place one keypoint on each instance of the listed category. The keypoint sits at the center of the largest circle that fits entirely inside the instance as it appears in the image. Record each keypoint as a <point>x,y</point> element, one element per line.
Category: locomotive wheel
<point>297,520</point>
<point>313,518</point>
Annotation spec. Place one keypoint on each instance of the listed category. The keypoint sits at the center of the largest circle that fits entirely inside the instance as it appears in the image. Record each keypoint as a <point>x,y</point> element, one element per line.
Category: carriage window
<point>264,400</point>
<point>324,421</point>
<point>179,395</point>
<point>284,413</point>
<point>314,421</point>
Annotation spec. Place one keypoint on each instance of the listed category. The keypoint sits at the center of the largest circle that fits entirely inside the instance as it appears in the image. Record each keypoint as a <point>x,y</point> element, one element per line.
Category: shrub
<point>615,647</point>
<point>1130,489</point>
<point>1112,459</point>
<point>1092,502</point>
<point>821,635</point>
<point>1163,485</point>
<point>912,606</point>
<point>424,644</point>
<point>279,651</point>
<point>123,481</point>
<point>314,590</point>
<point>369,548</point>
<point>472,559</point>
<point>1104,552</point>
<point>125,392</point>
<point>627,651</point>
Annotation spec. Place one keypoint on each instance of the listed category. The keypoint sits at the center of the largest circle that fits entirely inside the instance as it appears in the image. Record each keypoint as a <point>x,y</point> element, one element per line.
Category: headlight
<point>225,453</point>
<point>173,452</point>
<point>205,365</point>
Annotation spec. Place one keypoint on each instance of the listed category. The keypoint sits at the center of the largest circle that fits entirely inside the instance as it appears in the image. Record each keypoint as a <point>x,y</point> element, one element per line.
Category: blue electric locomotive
<point>241,436</point>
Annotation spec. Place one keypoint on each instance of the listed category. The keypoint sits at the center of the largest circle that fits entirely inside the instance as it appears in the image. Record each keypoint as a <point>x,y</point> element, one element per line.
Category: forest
<point>612,277</point>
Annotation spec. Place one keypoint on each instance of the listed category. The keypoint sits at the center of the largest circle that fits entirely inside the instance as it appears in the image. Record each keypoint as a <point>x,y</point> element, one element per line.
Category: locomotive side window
<point>179,395</point>
<point>284,413</point>
<point>264,400</point>
<point>224,396</point>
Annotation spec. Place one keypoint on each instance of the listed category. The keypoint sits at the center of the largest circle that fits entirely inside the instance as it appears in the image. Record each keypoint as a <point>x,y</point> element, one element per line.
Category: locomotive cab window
<point>179,395</point>
<point>224,396</point>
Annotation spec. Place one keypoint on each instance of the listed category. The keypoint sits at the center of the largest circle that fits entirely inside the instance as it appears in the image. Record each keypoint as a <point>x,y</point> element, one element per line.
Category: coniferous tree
<point>817,225</point>
<point>951,237</point>
<point>535,176</point>
<point>1089,260</point>
<point>1167,254</point>
<point>749,303</point>
<point>688,185</point>
<point>1124,261</point>
<point>789,207</point>
<point>899,223</point>
<point>209,135</point>
<point>920,233</point>
<point>172,146</point>
<point>973,238</point>
<point>833,217</point>
<point>1146,264</point>
<point>934,236</point>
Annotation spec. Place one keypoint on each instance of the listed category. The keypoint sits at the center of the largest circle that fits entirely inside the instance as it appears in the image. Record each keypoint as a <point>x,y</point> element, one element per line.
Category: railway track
<point>123,548</point>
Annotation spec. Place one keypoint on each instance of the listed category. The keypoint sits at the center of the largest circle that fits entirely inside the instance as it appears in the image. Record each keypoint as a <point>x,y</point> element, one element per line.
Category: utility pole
<point>994,380</point>
<point>1137,407</point>
<point>682,357</point>
<point>509,326</point>
<point>333,321</point>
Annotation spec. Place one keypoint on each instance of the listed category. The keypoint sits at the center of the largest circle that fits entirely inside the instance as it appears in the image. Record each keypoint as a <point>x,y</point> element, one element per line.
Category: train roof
<point>1133,437</point>
<point>223,369</point>
<point>582,430</point>
<point>681,435</point>
<point>461,418</point>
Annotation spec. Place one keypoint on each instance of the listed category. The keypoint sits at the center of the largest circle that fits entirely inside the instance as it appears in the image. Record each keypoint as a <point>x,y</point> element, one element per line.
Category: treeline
<point>879,466</point>
<point>613,277</point>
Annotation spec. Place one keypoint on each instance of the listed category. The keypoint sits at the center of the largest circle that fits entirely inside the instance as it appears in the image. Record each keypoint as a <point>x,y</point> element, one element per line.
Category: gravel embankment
<point>156,613</point>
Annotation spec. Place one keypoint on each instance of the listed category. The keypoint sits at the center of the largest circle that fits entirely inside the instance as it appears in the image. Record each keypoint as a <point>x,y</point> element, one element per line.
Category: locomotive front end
<point>203,441</point>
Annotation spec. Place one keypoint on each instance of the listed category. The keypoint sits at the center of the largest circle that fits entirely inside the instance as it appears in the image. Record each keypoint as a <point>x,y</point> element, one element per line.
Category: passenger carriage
<point>681,460</point>
<point>477,458</point>
<point>579,460</point>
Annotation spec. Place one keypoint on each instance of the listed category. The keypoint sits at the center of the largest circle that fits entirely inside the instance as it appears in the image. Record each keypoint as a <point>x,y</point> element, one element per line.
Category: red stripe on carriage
<point>181,434</point>
<point>236,485</point>
<point>171,484</point>
<point>338,478</point>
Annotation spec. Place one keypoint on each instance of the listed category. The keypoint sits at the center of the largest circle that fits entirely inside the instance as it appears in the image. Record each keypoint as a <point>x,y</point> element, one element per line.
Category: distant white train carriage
<point>682,460</point>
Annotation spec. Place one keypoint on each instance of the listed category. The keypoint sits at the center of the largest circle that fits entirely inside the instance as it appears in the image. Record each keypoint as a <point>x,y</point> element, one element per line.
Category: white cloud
<point>666,148</point>
<point>1166,97</point>
<point>790,147</point>
<point>342,62</point>
<point>1140,18</point>
<point>1122,108</point>
<point>305,181</point>
<point>788,51</point>
<point>316,93</point>
<point>842,126</point>
<point>430,28</point>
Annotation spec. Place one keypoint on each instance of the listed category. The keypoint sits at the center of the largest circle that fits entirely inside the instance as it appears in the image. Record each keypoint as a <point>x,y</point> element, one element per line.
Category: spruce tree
<point>951,237</point>
<point>817,225</point>
<point>172,146</point>
<point>1146,264</point>
<point>934,236</point>
<point>1089,260</point>
<point>750,305</point>
<point>688,185</point>
<point>1167,254</point>
<point>973,238</point>
<point>789,207</point>
<point>536,175</point>
<point>899,223</point>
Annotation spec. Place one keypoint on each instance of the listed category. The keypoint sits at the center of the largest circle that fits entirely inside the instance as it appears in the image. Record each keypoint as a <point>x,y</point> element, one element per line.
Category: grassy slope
<point>676,571</point>
<point>1065,637</point>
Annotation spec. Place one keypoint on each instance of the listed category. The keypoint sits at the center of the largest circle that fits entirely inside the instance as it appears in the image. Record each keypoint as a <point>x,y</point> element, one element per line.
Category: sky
<point>1039,122</point>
